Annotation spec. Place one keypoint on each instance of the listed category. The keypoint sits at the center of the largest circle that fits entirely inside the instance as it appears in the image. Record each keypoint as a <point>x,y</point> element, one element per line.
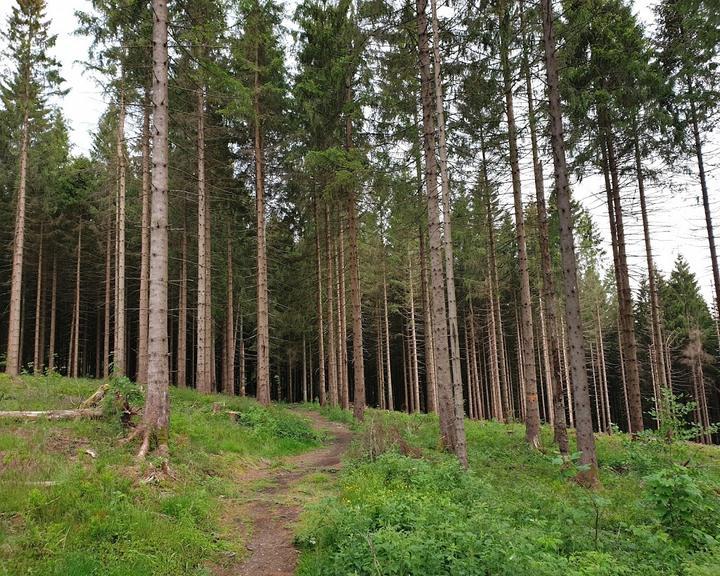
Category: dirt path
<point>270,511</point>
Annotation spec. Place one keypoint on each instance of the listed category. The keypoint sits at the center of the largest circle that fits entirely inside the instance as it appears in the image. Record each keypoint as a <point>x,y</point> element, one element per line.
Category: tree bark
<point>107,352</point>
<point>451,430</point>
<point>157,408</point>
<point>627,317</point>
<point>37,353</point>
<point>456,370</point>
<point>119,356</point>
<point>203,377</point>
<point>229,379</point>
<point>532,417</point>
<point>76,311</point>
<point>430,385</point>
<point>13,359</point>
<point>706,200</point>
<point>584,432</point>
<point>319,305</point>
<point>182,380</point>
<point>144,245</point>
<point>332,342</point>
<point>263,316</point>
<point>415,380</point>
<point>548,301</point>
<point>390,401</point>
<point>53,317</point>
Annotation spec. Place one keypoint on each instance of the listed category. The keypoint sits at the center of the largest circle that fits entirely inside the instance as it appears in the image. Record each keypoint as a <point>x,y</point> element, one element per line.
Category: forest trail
<point>274,501</point>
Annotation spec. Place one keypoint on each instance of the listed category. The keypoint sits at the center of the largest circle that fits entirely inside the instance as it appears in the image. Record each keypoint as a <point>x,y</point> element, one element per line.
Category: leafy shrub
<point>687,511</point>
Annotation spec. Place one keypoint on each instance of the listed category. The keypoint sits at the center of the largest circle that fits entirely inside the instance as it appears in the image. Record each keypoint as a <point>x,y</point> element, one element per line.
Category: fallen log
<point>89,413</point>
<point>96,398</point>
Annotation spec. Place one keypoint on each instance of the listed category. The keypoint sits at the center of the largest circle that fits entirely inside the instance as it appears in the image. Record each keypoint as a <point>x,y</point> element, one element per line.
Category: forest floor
<point>303,489</point>
<point>75,502</point>
<point>276,496</point>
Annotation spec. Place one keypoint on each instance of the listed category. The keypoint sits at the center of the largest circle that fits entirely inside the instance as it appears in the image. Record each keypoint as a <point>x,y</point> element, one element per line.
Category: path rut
<point>270,512</point>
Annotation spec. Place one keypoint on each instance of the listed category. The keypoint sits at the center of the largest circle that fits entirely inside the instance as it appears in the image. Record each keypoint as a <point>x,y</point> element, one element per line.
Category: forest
<point>334,263</point>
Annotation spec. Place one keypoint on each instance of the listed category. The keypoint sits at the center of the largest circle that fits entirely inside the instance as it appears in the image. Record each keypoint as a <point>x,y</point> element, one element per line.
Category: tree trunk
<point>119,356</point>
<point>263,316</point>
<point>548,301</point>
<point>203,377</point>
<point>13,359</point>
<point>344,377</point>
<point>390,401</point>
<point>75,331</point>
<point>157,408</point>
<point>430,385</point>
<point>451,430</point>
<point>532,418</point>
<point>242,359</point>
<point>319,305</point>
<point>415,379</point>
<point>627,317</point>
<point>53,317</point>
<point>37,355</point>
<point>229,380</point>
<point>456,371</point>
<point>499,403</point>
<point>585,437</point>
<point>145,245</point>
<point>332,348</point>
<point>304,372</point>
<point>107,352</point>
<point>182,380</point>
<point>705,197</point>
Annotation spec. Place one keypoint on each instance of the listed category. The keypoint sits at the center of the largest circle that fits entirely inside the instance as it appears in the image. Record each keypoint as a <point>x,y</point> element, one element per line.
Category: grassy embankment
<point>73,501</point>
<point>404,508</point>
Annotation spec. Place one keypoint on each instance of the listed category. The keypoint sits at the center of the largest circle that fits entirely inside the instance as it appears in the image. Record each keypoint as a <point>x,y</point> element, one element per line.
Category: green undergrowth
<point>405,508</point>
<point>74,502</point>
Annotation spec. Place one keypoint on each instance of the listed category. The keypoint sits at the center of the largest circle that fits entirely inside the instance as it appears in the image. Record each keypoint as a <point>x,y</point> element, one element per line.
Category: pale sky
<point>676,215</point>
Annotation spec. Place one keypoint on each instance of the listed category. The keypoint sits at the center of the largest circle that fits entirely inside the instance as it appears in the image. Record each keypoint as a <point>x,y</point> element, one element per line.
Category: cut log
<point>96,398</point>
<point>88,413</point>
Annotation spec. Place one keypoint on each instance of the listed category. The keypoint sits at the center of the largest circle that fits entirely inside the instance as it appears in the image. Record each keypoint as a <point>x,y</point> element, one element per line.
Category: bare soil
<point>266,518</point>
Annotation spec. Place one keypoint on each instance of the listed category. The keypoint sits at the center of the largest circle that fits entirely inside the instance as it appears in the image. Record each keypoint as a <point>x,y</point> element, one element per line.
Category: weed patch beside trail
<point>73,501</point>
<point>514,513</point>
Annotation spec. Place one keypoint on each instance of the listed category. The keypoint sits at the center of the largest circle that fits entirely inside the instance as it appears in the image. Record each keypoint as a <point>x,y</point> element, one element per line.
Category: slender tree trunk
<point>53,317</point>
<point>342,356</point>
<point>241,359</point>
<point>380,364</point>
<point>157,408</point>
<point>182,380</point>
<point>430,385</point>
<point>548,300</point>
<point>144,245</point>
<point>585,437</point>
<point>37,352</point>
<point>304,372</point>
<point>390,401</point>
<point>319,305</point>
<point>119,356</point>
<point>470,377</point>
<point>263,316</point>
<point>479,412</point>
<point>203,377</point>
<point>451,430</point>
<point>229,380</point>
<point>107,352</point>
<point>705,197</point>
<point>627,317</point>
<point>76,310</point>
<point>456,370</point>
<point>13,359</point>
<point>499,390</point>
<point>332,341</point>
<point>415,380</point>
<point>532,418</point>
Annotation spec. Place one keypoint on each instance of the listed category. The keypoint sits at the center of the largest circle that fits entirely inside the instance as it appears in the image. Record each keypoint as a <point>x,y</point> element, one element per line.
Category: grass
<point>405,508</point>
<point>65,512</point>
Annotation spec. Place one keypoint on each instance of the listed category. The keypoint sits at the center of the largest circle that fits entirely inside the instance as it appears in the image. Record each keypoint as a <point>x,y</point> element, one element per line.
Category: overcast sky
<point>676,218</point>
